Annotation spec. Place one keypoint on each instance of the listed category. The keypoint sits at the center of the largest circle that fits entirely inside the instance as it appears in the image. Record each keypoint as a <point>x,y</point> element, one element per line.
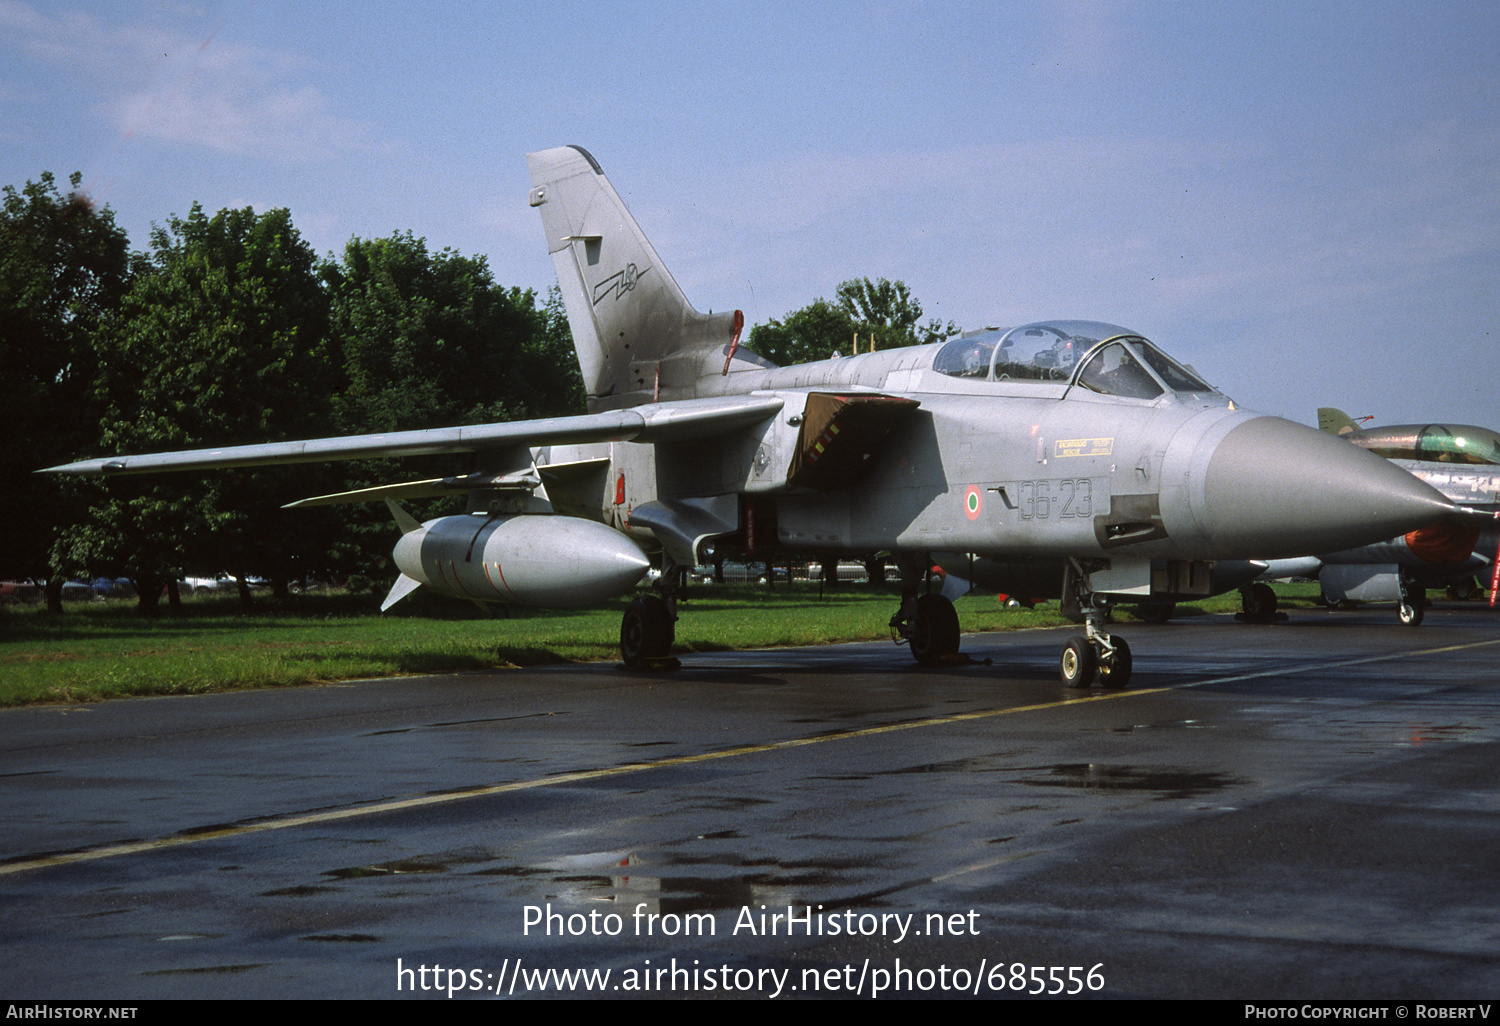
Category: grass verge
<point>107,650</point>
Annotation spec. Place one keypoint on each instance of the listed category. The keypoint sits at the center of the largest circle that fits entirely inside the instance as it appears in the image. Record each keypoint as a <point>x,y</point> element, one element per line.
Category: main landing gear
<point>650,621</point>
<point>928,622</point>
<point>1097,653</point>
<point>1258,603</point>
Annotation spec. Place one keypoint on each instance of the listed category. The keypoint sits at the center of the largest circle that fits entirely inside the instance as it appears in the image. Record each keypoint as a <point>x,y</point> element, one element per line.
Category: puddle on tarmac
<point>458,723</point>
<point>616,877</point>
<point>762,863</point>
<point>1167,725</point>
<point>207,969</point>
<point>1164,782</point>
<point>386,869</point>
<point>995,762</point>
<point>729,803</point>
<point>1431,733</point>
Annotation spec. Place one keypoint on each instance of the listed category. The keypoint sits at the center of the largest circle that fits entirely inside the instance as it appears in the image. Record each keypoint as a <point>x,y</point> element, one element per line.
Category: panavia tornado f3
<point>1058,443</point>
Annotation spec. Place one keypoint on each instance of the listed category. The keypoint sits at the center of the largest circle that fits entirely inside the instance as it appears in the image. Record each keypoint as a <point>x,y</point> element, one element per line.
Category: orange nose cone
<point>1443,543</point>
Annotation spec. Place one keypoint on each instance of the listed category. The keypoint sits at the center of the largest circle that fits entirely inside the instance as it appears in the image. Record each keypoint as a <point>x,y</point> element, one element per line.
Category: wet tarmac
<point>1302,810</point>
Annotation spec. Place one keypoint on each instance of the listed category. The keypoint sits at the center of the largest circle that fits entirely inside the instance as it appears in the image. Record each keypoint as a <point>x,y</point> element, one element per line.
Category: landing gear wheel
<point>1156,612</point>
<point>1411,611</point>
<point>646,631</point>
<point>1259,603</point>
<point>1078,663</point>
<point>1115,666</point>
<point>936,634</point>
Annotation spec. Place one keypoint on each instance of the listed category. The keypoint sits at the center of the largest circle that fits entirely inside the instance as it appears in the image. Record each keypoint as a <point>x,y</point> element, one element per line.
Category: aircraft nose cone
<point>407,554</point>
<point>1278,489</point>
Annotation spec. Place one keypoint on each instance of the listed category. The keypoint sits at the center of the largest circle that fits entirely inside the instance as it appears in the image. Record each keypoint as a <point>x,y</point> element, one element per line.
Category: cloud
<point>236,115</point>
<point>188,86</point>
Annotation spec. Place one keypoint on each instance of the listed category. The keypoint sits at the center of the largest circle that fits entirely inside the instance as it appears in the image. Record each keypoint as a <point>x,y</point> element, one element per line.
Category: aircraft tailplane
<point>627,314</point>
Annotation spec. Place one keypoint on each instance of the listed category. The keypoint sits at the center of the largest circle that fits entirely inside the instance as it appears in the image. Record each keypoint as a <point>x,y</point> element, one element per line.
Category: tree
<point>883,307</point>
<point>64,266</point>
<point>882,310</point>
<point>224,341</point>
<point>430,340</point>
<point>815,332</point>
<point>888,310</point>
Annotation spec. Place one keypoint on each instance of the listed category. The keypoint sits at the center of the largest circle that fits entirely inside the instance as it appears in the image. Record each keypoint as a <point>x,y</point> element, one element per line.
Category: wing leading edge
<point>693,418</point>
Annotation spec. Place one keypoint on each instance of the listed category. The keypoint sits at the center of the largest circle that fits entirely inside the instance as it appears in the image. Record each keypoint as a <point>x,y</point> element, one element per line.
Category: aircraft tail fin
<point>1335,422</point>
<point>637,336</point>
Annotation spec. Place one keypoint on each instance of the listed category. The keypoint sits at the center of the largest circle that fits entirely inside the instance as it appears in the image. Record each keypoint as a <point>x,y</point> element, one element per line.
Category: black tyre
<point>1259,603</point>
<point>937,629</point>
<point>646,630</point>
<point>1078,663</point>
<point>1156,612</point>
<point>1115,668</point>
<point>1411,611</point>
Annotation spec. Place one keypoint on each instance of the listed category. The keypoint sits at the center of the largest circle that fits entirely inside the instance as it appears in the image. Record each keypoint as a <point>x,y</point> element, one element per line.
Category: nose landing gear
<point>1097,653</point>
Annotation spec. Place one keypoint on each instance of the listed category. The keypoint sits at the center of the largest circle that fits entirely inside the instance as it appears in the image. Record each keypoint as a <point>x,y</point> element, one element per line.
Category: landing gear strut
<point>1412,605</point>
<point>1096,652</point>
<point>650,621</point>
<point>928,622</point>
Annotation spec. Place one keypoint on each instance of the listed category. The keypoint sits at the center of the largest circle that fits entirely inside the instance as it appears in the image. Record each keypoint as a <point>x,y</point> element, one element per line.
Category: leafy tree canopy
<point>230,331</point>
<point>881,312</point>
<point>815,332</point>
<point>430,340</point>
<point>64,266</point>
<point>224,340</point>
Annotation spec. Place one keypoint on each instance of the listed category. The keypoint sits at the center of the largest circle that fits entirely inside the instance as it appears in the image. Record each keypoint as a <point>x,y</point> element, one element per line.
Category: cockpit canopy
<point>1103,358</point>
<point>1439,443</point>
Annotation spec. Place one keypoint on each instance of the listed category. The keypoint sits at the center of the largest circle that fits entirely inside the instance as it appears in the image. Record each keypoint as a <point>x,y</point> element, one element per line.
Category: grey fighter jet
<point>1060,440</point>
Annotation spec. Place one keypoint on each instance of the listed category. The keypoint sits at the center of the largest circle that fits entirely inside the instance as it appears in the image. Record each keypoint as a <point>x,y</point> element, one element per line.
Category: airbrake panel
<point>839,436</point>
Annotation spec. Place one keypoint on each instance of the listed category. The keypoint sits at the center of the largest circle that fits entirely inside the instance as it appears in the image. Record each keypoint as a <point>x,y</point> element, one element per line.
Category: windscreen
<point>1114,370</point>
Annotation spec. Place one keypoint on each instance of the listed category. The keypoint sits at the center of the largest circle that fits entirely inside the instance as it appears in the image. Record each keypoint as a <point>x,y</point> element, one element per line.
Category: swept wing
<point>662,422</point>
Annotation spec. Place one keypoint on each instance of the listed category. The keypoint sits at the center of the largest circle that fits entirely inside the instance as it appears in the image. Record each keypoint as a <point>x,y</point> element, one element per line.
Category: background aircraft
<point>1462,462</point>
<point>1078,443</point>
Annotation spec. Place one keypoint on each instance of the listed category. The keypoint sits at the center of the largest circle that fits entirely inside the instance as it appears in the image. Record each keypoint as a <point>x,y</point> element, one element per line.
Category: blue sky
<point>1302,200</point>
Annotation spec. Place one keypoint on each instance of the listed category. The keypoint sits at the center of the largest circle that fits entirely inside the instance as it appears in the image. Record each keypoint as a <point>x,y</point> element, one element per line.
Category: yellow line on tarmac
<point>580,776</point>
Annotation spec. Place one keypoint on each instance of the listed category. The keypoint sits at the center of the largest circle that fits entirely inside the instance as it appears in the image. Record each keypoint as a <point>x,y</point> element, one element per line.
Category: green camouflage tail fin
<point>1335,422</point>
